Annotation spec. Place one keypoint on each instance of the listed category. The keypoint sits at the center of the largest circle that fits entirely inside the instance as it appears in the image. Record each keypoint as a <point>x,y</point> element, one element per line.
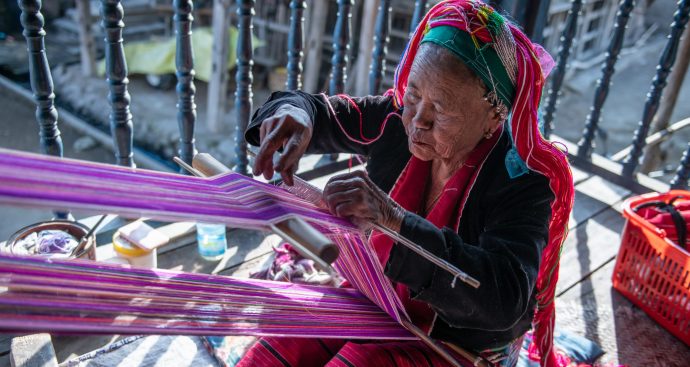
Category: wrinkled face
<point>445,115</point>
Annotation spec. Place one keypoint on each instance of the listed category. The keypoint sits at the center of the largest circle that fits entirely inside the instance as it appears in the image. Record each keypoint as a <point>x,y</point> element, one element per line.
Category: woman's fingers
<point>263,163</point>
<point>292,152</point>
<point>288,173</point>
<point>345,200</point>
<point>290,129</point>
<point>266,127</point>
<point>355,196</point>
<point>349,195</point>
<point>343,182</point>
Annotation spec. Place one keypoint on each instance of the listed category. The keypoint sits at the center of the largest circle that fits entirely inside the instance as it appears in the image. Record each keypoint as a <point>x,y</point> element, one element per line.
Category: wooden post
<point>652,156</point>
<point>341,47</point>
<point>87,47</point>
<point>184,63</point>
<point>243,95</point>
<point>295,45</point>
<point>378,62</point>
<point>218,85</point>
<point>585,145</point>
<point>536,21</point>
<point>559,74</point>
<point>41,79</point>
<point>366,45</point>
<point>668,58</point>
<point>116,72</point>
<point>680,181</point>
<point>419,11</point>
<point>315,45</point>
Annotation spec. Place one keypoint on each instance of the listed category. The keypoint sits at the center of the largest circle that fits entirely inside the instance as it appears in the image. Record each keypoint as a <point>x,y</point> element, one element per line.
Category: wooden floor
<point>586,304</point>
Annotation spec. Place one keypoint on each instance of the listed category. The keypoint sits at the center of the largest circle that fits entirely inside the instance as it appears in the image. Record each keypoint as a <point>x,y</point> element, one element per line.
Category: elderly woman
<point>455,162</point>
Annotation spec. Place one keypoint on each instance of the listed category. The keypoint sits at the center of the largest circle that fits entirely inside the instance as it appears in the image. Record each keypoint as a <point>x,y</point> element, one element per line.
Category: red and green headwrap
<point>515,68</point>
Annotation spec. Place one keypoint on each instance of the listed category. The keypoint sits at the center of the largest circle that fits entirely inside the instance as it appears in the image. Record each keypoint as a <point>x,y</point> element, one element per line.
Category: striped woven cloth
<point>38,294</point>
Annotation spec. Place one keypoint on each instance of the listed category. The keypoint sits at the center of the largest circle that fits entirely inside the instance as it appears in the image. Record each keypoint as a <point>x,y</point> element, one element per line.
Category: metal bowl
<point>76,229</point>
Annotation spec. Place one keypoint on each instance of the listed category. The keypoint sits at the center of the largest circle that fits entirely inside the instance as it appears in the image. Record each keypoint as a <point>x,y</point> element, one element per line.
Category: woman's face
<point>445,114</point>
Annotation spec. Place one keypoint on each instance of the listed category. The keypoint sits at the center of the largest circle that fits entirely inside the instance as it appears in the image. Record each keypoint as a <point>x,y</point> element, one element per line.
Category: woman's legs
<point>387,354</point>
<point>291,352</point>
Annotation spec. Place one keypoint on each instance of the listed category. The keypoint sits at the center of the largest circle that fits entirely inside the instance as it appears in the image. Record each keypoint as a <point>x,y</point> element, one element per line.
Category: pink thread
<point>560,146</point>
<point>364,140</point>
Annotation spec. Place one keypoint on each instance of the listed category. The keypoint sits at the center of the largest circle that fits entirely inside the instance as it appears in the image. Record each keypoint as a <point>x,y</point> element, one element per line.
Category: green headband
<point>484,61</point>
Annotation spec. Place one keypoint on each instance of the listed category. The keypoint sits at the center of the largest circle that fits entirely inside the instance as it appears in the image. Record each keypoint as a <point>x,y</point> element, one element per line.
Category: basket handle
<point>678,220</point>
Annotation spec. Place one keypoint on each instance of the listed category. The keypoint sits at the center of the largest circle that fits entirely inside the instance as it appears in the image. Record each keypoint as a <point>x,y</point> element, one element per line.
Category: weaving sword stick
<point>307,241</point>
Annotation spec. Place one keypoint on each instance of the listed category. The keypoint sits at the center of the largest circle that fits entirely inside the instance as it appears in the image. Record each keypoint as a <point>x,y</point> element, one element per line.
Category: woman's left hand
<point>353,195</point>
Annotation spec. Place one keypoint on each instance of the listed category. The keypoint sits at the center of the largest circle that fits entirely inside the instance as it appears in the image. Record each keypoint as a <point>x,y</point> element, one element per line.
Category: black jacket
<point>503,229</point>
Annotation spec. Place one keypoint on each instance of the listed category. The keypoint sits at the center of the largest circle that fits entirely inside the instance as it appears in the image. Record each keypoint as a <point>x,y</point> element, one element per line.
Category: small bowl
<point>76,229</point>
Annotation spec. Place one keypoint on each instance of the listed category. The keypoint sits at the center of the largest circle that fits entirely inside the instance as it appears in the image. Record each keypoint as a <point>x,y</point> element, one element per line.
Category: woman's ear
<point>494,120</point>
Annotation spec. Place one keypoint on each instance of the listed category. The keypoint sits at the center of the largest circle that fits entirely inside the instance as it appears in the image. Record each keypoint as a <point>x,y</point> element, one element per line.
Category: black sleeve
<point>505,260</point>
<point>355,121</point>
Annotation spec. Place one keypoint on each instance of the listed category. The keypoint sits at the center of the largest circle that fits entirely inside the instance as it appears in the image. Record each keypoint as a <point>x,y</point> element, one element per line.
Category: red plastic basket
<point>652,270</point>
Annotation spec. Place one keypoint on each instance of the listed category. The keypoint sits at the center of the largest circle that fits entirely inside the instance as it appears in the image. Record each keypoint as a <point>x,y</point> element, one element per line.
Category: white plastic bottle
<point>211,240</point>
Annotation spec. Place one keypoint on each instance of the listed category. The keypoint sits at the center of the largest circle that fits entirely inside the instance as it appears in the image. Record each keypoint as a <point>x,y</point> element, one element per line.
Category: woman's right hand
<point>290,128</point>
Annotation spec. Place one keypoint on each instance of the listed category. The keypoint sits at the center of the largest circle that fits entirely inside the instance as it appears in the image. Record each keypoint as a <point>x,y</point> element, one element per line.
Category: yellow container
<point>134,254</point>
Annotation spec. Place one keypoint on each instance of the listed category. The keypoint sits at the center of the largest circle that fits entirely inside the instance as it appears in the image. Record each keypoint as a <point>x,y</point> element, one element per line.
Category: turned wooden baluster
<point>116,73</point>
<point>419,11</point>
<point>563,54</point>
<point>41,78</point>
<point>295,45</point>
<point>680,181</point>
<point>184,62</point>
<point>243,95</point>
<point>341,46</point>
<point>585,144</point>
<point>668,57</point>
<point>378,60</point>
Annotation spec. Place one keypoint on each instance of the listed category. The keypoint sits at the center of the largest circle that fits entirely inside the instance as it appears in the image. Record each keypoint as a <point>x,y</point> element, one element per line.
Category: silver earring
<point>488,135</point>
<point>499,107</point>
<point>491,97</point>
<point>502,112</point>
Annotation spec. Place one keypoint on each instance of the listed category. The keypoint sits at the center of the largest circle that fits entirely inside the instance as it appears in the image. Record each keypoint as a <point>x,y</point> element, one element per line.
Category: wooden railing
<point>41,80</point>
<point>184,61</point>
<point>622,171</point>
